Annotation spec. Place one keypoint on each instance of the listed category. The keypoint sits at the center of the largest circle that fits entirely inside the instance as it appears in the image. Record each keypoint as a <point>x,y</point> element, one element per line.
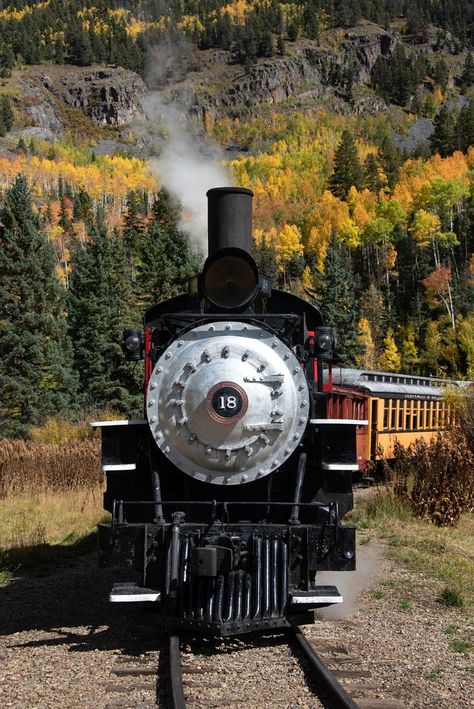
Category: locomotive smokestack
<point>229,212</point>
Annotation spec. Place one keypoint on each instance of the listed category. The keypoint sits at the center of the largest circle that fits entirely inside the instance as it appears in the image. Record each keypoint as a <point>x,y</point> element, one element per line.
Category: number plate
<point>226,402</point>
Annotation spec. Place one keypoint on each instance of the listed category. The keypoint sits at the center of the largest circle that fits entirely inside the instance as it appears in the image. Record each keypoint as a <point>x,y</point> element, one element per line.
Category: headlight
<point>132,344</point>
<point>325,342</point>
<point>230,279</point>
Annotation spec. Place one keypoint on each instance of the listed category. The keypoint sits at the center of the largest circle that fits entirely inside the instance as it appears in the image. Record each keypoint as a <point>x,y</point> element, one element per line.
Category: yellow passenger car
<point>399,407</point>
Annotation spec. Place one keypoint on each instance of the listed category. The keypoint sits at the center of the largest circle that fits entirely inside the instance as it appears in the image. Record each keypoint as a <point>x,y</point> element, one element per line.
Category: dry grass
<point>42,467</point>
<point>49,518</point>
<point>50,496</point>
<point>41,528</point>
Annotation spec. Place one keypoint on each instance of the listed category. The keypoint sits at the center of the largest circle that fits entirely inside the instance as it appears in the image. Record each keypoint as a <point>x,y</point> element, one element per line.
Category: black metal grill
<point>258,591</point>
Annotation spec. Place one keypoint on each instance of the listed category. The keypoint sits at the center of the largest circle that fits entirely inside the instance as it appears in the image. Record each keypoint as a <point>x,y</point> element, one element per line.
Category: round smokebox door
<point>228,402</point>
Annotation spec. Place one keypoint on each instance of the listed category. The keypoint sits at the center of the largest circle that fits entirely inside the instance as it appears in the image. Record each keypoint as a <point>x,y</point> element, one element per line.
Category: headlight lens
<point>230,280</point>
<point>325,342</point>
<point>132,343</point>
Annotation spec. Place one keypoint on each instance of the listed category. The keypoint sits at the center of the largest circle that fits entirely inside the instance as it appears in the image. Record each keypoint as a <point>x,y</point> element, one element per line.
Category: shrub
<point>435,478</point>
<point>59,430</point>
<point>450,597</point>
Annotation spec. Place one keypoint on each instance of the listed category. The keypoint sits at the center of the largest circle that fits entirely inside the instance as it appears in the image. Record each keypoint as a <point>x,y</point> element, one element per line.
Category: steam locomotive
<point>227,499</point>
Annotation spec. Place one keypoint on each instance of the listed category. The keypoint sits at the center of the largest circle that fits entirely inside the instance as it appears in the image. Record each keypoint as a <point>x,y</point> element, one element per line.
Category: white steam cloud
<point>187,165</point>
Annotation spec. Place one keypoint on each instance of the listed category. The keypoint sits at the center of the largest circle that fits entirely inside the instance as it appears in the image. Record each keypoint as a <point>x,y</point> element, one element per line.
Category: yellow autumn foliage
<point>329,215</point>
<point>425,227</point>
<point>108,177</point>
<point>415,175</point>
<point>367,358</point>
<point>361,205</point>
<point>390,360</point>
<point>286,241</point>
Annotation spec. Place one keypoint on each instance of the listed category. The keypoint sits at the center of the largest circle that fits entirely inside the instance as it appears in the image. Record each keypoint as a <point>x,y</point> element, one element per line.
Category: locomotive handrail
<point>252,503</point>
<point>230,316</point>
<point>118,505</point>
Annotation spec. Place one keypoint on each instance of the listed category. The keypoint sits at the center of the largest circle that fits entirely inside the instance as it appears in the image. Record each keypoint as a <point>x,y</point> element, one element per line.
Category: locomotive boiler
<point>226,499</point>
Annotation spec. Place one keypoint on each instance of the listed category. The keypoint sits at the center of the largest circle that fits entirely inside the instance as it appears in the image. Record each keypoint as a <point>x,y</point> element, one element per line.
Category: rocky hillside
<point>335,72</point>
<point>309,73</point>
<point>45,95</point>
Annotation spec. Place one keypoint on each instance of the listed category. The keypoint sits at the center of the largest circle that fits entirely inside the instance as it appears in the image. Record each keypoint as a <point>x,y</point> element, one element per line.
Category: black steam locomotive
<point>227,499</point>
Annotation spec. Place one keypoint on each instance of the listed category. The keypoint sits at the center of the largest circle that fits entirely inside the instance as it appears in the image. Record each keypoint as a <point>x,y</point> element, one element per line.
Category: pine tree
<point>465,126</point>
<point>91,312</point>
<point>59,50</point>
<point>292,31</point>
<point>166,260</point>
<point>22,147</point>
<point>265,257</point>
<point>441,74</point>
<point>372,174</point>
<point>82,207</point>
<point>7,61</point>
<point>265,46</point>
<point>64,213</point>
<point>397,77</point>
<point>467,78</point>
<point>133,228</point>
<point>347,168</point>
<point>124,390</point>
<point>224,31</point>
<point>390,160</point>
<point>36,379</point>
<point>101,306</point>
<point>443,140</point>
<point>338,304</point>
<point>6,112</point>
<point>311,23</point>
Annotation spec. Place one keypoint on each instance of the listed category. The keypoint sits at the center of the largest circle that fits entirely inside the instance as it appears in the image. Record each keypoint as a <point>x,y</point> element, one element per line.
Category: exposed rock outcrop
<point>110,96</point>
<point>40,107</point>
<point>308,72</point>
<point>210,84</point>
<point>107,95</point>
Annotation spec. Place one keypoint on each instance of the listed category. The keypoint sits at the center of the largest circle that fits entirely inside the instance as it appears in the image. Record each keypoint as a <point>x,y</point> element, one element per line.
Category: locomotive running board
<point>320,596</point>
<point>132,593</point>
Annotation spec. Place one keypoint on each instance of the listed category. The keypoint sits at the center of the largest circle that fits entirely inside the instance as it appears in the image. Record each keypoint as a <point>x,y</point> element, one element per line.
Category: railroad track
<point>182,673</point>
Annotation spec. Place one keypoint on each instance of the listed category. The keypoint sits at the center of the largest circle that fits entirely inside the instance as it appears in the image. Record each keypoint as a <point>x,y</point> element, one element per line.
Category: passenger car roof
<point>392,383</point>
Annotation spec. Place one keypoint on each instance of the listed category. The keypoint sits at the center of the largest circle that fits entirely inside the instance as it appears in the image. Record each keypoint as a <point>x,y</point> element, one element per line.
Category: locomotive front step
<point>320,596</point>
<point>132,593</point>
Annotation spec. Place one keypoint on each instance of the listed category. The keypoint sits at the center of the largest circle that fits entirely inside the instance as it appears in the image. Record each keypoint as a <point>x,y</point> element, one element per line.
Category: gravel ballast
<point>60,639</point>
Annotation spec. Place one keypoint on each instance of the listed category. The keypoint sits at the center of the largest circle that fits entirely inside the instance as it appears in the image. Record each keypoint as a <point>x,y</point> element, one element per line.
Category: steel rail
<point>177,700</point>
<point>327,683</point>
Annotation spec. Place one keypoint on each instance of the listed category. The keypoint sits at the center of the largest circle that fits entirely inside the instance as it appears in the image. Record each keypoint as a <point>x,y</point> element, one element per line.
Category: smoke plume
<point>187,165</point>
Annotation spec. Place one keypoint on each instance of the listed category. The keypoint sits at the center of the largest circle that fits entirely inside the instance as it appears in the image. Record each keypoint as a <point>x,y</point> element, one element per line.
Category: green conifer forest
<point>364,185</point>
